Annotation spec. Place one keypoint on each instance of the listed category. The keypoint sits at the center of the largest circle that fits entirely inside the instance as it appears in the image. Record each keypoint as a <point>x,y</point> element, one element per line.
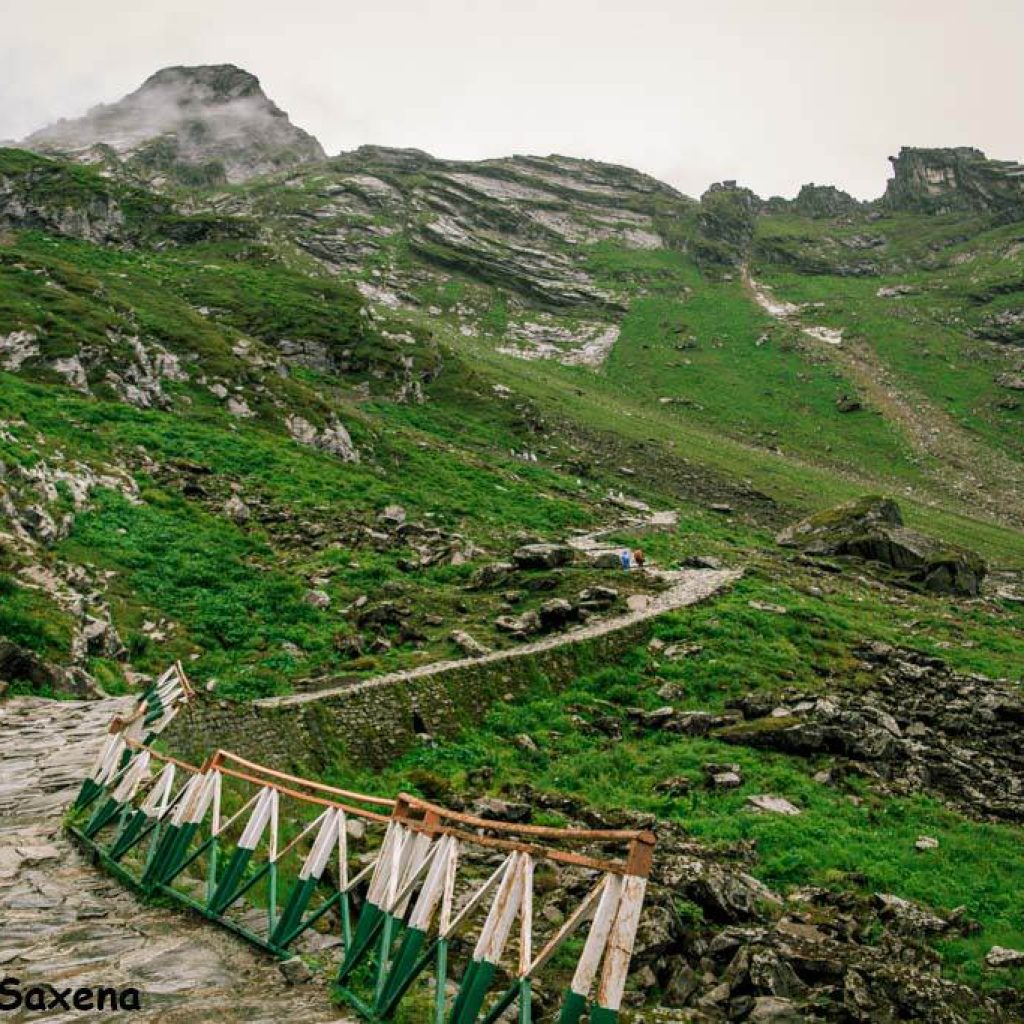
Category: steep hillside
<point>302,421</point>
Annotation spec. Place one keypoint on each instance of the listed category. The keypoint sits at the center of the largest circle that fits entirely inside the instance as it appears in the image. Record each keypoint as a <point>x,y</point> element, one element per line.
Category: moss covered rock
<point>872,528</point>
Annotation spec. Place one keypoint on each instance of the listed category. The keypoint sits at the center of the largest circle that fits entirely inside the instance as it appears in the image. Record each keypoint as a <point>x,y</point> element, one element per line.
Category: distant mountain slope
<point>194,125</point>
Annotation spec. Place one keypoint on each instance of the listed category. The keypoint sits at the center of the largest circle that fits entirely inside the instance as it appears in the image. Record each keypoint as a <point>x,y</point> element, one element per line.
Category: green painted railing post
<point>383,959</point>
<point>572,1007</point>
<point>101,817</point>
<point>272,898</point>
<point>154,845</point>
<point>525,1001</point>
<point>441,995</point>
<point>211,871</point>
<point>346,921</point>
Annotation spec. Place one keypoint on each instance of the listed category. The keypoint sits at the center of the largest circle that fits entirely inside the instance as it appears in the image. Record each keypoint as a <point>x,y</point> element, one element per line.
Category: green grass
<point>836,842</point>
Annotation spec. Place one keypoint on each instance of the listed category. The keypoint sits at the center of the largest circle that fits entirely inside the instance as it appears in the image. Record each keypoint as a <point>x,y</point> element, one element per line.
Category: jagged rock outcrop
<point>725,226</point>
<point>820,201</point>
<point>954,180</point>
<point>872,528</point>
<point>42,195</point>
<point>202,125</point>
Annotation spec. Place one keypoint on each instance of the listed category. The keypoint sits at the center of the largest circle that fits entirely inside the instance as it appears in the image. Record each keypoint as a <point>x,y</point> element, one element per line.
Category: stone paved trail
<point>686,586</point>
<point>64,921</point>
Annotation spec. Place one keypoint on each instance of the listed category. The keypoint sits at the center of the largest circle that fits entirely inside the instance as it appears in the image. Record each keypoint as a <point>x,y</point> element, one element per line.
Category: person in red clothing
<point>640,558</point>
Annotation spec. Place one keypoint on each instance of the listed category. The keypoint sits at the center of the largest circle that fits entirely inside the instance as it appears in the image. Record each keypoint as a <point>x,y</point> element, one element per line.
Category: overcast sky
<point>773,94</point>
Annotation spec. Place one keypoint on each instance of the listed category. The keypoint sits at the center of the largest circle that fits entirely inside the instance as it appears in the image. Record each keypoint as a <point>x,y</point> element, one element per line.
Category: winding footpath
<point>685,587</point>
<point>64,922</point>
<point>67,924</point>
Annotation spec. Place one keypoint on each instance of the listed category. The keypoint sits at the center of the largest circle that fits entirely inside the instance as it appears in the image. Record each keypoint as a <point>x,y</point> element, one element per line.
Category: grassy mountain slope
<point>210,398</point>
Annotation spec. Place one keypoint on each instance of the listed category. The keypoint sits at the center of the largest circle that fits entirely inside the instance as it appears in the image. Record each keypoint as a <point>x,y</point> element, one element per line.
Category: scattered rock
<point>494,809</point>
<point>318,598</point>
<point>999,957</point>
<point>542,556</point>
<point>765,606</point>
<point>494,574</point>
<point>723,776</point>
<point>926,843</point>
<point>772,804</point>
<point>469,646</point>
<point>295,971</point>
<point>556,613</point>
<point>518,625</point>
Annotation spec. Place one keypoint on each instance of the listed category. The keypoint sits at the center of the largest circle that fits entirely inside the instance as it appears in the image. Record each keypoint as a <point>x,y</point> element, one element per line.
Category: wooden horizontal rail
<point>578,860</point>
<point>359,812</point>
<point>579,835</point>
<point>226,755</point>
<point>166,758</point>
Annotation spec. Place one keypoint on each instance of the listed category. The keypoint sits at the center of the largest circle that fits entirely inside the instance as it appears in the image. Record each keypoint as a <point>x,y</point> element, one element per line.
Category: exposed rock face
<point>959,179</point>
<point>872,528</point>
<point>19,665</point>
<point>820,201</point>
<point>725,226</point>
<point>333,438</point>
<point>522,223</point>
<point>41,195</point>
<point>1006,326</point>
<point>197,125</point>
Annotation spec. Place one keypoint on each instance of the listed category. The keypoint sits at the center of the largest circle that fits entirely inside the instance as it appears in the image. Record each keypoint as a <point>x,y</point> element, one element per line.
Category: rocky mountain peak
<point>211,83</point>
<point>960,178</point>
<point>209,124</point>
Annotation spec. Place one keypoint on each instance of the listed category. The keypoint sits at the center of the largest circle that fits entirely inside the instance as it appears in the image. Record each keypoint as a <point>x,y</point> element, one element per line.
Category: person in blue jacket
<point>625,559</point>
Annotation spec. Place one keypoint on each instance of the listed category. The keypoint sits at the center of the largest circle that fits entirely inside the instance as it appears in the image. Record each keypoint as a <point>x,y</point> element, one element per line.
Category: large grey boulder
<point>872,528</point>
<point>542,556</point>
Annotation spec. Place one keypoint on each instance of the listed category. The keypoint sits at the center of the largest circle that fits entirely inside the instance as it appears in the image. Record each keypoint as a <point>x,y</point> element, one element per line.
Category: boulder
<point>606,558</point>
<point>871,528</point>
<point>494,574</point>
<point>294,971</point>
<point>556,613</point>
<point>772,804</point>
<point>494,809</point>
<point>518,625</point>
<point>1001,957</point>
<point>542,556</point>
<point>468,644</point>
<point>392,515</point>
<point>598,597</point>
<point>723,776</point>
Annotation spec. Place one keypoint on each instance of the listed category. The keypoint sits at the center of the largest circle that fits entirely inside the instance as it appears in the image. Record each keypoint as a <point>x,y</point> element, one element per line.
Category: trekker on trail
<point>640,558</point>
<point>625,559</point>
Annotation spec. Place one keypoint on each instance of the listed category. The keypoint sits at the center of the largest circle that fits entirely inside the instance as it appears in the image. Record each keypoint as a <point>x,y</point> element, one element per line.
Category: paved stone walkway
<point>65,922</point>
<point>687,586</point>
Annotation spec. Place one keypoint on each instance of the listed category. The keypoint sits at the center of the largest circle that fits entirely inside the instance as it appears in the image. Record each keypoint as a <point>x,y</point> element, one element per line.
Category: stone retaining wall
<point>373,724</point>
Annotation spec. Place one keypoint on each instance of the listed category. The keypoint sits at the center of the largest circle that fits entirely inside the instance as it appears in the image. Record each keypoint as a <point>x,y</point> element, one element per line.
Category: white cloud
<point>772,94</point>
